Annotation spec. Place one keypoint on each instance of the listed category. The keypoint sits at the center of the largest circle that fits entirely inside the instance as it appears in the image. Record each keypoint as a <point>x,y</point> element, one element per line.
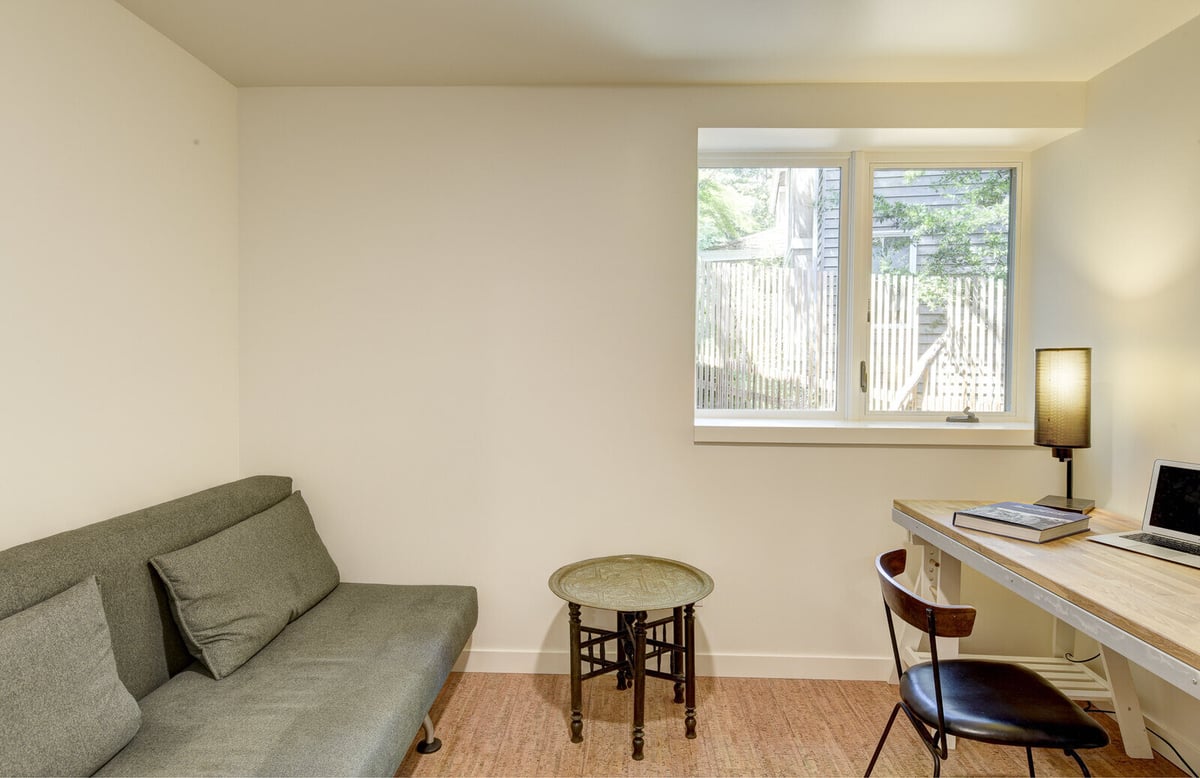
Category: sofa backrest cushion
<point>64,710</point>
<point>146,643</point>
<point>236,590</point>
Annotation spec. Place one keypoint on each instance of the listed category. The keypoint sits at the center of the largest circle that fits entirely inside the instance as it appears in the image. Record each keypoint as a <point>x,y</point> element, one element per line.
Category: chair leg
<point>1029,758</point>
<point>1082,767</point>
<point>883,737</point>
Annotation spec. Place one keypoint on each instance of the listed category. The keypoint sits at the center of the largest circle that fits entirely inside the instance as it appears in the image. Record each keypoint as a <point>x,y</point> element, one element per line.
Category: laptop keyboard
<point>1158,540</point>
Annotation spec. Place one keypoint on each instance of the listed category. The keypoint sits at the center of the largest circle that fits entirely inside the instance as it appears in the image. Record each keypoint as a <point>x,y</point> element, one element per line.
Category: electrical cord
<point>1070,658</point>
<point>1092,709</point>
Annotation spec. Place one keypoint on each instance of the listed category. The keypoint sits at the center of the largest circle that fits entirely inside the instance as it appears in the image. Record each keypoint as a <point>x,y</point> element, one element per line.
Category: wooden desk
<point>1139,608</point>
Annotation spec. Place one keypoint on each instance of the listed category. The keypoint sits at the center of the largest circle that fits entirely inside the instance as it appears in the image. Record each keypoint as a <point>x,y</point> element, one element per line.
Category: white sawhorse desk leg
<point>1125,703</point>
<point>939,579</point>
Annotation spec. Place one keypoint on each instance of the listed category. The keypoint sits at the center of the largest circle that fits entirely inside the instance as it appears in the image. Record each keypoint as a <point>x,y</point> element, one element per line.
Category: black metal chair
<point>992,702</point>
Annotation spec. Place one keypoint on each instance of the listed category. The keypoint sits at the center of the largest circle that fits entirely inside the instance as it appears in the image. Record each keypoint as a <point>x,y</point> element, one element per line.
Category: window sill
<point>807,432</point>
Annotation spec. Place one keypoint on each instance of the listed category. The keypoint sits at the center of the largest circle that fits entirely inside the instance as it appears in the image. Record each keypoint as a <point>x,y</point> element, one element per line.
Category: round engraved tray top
<point>630,583</point>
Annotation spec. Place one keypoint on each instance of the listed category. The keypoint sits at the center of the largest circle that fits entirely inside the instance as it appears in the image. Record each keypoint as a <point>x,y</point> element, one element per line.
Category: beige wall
<point>1117,250</point>
<point>467,330</point>
<point>118,268</point>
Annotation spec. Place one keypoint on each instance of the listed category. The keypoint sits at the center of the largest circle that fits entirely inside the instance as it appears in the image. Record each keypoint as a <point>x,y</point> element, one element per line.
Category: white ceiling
<point>485,42</point>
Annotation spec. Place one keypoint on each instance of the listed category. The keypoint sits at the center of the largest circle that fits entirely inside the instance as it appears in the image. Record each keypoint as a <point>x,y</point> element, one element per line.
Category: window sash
<point>812,161</point>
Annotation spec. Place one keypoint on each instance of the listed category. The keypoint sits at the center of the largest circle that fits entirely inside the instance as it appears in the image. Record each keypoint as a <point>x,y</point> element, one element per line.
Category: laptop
<point>1171,524</point>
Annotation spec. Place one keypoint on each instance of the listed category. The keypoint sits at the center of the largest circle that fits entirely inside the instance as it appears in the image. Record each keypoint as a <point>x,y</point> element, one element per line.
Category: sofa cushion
<point>148,646</point>
<point>356,675</point>
<point>64,710</point>
<point>234,591</point>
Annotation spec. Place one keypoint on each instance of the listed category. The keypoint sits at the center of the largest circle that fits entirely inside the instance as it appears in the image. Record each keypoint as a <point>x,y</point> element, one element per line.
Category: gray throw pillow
<point>236,590</point>
<point>63,710</point>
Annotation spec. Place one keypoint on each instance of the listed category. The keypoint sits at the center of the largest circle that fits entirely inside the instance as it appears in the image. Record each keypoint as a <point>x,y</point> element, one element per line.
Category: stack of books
<point>1023,521</point>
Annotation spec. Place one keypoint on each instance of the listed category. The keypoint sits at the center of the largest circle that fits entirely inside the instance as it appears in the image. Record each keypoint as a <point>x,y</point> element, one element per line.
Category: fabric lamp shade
<point>1063,398</point>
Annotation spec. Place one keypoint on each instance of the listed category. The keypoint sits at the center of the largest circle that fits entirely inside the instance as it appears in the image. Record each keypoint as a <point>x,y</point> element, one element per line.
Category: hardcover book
<point>1023,521</point>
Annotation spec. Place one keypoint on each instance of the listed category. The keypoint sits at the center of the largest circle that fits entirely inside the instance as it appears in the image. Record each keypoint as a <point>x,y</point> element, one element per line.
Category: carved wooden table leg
<point>576,682</point>
<point>676,652</point>
<point>689,658</point>
<point>624,646</point>
<point>638,660</point>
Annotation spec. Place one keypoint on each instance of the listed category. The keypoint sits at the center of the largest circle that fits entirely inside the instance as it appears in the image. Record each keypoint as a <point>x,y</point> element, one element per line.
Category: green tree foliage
<point>968,224</point>
<point>732,203</point>
<point>717,218</point>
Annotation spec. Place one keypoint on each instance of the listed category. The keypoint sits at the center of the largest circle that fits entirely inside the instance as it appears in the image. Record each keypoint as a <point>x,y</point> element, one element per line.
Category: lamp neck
<point>1062,454</point>
<point>1065,455</point>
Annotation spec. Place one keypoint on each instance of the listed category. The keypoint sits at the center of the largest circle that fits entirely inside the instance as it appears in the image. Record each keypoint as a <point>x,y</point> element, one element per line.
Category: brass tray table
<point>632,585</point>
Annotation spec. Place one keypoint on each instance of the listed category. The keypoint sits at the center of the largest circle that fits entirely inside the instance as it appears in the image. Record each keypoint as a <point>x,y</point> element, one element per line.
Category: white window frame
<point>850,423</point>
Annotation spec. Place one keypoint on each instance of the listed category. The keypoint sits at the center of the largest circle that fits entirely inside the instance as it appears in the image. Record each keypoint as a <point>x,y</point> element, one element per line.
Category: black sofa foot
<point>428,746</point>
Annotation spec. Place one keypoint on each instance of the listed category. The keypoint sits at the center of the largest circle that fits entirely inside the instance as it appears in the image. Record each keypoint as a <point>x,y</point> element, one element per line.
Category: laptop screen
<point>1175,499</point>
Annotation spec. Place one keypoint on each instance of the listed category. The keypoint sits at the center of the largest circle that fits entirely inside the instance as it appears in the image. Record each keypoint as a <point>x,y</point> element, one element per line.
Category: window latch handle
<point>862,376</point>
<point>968,417</point>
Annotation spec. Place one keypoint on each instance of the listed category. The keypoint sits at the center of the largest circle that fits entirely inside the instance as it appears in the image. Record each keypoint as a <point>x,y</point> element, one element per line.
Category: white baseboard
<point>478,660</point>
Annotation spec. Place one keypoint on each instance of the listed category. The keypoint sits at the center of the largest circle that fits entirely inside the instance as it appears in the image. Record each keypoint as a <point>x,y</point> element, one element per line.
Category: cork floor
<point>517,725</point>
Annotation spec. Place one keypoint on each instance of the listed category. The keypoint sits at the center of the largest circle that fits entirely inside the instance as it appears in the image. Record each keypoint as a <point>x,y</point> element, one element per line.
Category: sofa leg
<point>430,743</point>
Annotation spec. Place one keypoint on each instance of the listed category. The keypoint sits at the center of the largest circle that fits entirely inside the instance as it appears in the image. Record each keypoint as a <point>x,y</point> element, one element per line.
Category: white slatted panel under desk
<point>1073,679</point>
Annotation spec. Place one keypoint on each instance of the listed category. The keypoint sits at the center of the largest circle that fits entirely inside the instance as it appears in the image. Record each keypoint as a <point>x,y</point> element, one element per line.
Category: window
<point>768,258</point>
<point>906,315</point>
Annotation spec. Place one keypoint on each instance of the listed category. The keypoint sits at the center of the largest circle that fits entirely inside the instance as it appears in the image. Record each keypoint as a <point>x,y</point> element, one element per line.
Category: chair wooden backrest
<point>944,621</point>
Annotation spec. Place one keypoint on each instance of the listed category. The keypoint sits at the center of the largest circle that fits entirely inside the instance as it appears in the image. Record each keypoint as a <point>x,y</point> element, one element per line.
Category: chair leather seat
<point>1001,703</point>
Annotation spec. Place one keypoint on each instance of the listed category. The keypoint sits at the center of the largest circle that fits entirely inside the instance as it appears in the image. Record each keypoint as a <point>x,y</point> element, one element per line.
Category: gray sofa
<point>342,690</point>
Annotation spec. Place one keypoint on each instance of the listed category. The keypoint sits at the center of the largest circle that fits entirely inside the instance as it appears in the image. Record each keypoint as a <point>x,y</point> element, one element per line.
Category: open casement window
<point>906,315</point>
<point>938,311</point>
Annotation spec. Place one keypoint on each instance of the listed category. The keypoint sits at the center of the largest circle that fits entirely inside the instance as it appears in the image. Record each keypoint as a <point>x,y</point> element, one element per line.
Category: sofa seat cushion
<point>356,674</point>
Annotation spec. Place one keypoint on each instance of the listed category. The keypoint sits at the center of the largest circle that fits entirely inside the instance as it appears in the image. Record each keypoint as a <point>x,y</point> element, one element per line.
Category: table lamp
<point>1063,413</point>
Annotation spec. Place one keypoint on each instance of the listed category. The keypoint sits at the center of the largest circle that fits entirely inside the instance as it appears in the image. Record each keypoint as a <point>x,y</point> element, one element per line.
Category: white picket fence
<point>937,360</point>
<point>767,339</point>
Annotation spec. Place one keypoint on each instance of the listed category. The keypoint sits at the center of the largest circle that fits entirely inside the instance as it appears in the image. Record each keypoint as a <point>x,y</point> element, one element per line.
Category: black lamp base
<point>1076,504</point>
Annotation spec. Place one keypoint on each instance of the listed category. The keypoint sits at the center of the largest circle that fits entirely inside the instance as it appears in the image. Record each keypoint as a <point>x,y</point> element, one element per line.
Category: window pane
<point>941,248</point>
<point>767,288</point>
